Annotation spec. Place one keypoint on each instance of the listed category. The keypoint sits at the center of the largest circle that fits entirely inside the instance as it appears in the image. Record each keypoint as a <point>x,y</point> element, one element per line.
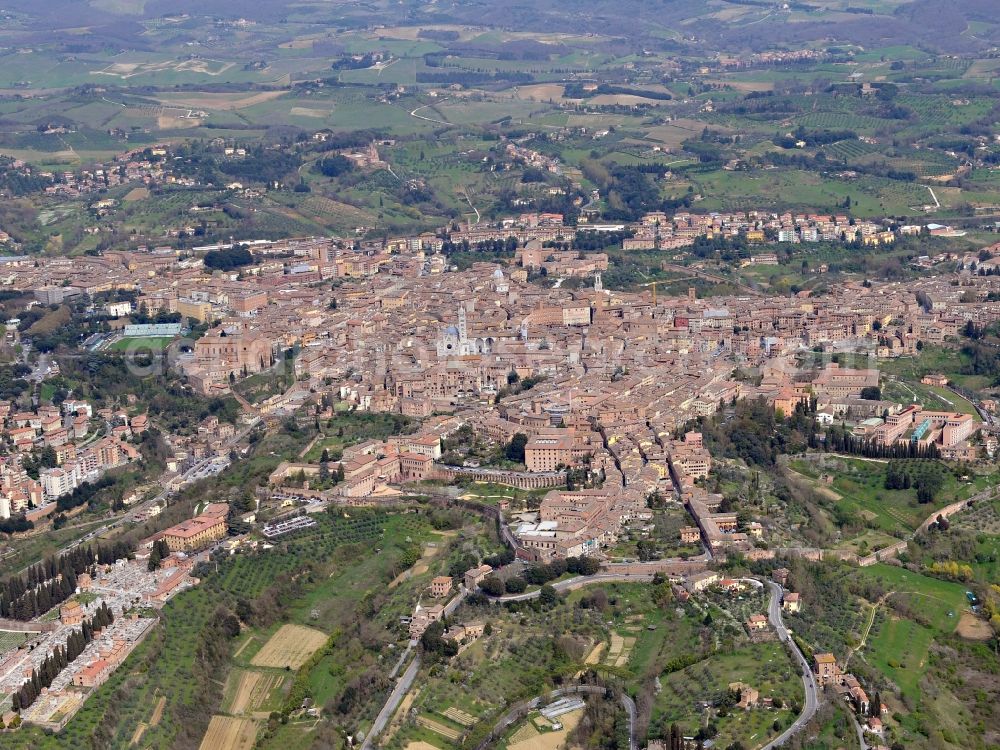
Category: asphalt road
<point>808,679</point>
<point>629,705</point>
<point>406,681</point>
<point>395,698</point>
<point>862,741</point>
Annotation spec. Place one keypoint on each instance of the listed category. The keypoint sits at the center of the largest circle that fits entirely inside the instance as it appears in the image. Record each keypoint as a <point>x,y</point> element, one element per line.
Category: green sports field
<point>142,344</point>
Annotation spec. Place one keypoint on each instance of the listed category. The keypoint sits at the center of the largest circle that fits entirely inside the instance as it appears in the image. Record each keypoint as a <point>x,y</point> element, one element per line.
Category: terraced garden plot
<point>617,644</point>
<point>627,646</point>
<point>459,716</point>
<point>438,728</point>
<point>525,733</point>
<point>594,657</point>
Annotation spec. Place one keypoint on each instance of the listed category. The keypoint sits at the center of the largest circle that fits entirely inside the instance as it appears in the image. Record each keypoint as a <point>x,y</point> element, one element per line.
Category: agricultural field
<point>290,647</point>
<point>250,691</point>
<point>453,90</point>
<point>870,196</point>
<point>228,733</point>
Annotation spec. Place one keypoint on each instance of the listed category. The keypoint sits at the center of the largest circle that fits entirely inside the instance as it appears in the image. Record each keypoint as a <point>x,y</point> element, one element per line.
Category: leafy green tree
<point>548,595</point>
<point>492,585</point>
<point>515,585</point>
<point>515,449</point>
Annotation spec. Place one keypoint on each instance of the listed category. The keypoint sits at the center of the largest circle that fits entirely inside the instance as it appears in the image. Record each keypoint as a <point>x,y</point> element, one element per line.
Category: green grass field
<point>141,344</point>
<point>933,358</point>
<point>870,196</point>
<point>9,641</point>
<point>899,646</point>
<point>931,397</point>
<point>941,601</point>
<point>899,650</point>
<point>860,486</point>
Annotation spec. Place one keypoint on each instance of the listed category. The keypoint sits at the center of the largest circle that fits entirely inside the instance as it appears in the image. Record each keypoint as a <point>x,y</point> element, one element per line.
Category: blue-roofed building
<point>152,330</point>
<point>921,430</point>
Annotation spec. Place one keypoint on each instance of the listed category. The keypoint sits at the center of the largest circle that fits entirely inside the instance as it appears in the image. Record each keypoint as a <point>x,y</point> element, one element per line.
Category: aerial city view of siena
<point>465,375</point>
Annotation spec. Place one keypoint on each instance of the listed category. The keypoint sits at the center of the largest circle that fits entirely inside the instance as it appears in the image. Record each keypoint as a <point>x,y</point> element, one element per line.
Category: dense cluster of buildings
<point>129,589</point>
<point>145,165</point>
<point>598,380</point>
<point>658,230</point>
<point>366,469</point>
<point>77,451</point>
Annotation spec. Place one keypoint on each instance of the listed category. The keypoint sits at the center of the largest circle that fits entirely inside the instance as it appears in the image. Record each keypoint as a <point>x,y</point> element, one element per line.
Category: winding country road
<point>812,701</point>
<point>429,119</point>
